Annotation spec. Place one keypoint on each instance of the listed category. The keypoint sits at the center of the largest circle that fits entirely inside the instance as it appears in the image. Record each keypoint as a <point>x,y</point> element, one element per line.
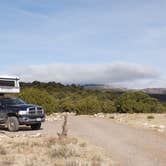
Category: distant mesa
<point>159,93</point>
<point>109,87</point>
<point>155,90</point>
<point>105,87</point>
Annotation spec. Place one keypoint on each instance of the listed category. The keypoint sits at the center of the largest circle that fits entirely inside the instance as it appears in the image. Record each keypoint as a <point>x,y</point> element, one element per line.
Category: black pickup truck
<point>15,112</point>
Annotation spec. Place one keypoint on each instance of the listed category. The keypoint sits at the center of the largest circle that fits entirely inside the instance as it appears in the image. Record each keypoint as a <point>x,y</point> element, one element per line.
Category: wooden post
<point>64,128</point>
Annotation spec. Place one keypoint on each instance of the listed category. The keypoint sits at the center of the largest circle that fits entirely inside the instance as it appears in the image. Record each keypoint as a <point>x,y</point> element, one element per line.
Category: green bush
<point>66,105</point>
<point>55,97</point>
<point>88,105</point>
<point>138,102</point>
<point>36,96</point>
<point>108,106</point>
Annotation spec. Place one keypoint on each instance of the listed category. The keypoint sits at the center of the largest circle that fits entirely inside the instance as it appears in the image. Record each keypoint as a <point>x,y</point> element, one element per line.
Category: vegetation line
<point>55,97</point>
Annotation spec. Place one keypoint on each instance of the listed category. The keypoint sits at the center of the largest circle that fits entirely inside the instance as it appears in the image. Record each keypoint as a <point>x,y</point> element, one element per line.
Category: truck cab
<point>15,112</point>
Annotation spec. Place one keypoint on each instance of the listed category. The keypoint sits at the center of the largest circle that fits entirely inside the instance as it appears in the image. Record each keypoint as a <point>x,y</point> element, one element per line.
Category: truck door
<point>2,112</point>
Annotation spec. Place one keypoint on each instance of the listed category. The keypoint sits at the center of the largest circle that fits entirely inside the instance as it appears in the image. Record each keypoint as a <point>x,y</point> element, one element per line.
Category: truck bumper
<point>25,120</point>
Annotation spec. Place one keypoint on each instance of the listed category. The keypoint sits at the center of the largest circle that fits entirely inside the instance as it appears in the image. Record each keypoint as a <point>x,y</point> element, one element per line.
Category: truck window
<point>12,101</point>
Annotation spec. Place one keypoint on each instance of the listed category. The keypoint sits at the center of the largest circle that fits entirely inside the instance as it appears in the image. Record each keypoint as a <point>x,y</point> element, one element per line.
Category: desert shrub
<point>150,117</point>
<point>55,97</point>
<point>88,105</point>
<point>66,105</point>
<point>138,102</point>
<point>108,106</point>
<point>62,151</point>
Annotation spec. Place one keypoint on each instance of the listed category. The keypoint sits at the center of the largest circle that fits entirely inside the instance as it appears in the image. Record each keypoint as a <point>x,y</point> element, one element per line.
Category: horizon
<point>109,87</point>
<point>116,43</point>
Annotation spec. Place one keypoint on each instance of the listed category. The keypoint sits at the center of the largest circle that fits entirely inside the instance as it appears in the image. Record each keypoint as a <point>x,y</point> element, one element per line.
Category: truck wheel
<point>12,123</point>
<point>36,126</point>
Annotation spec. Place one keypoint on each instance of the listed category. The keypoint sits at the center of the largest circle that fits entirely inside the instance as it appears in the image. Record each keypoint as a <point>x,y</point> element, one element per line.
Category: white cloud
<point>112,74</point>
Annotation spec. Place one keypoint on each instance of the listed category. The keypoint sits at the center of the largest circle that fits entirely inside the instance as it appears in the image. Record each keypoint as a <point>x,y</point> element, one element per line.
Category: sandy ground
<point>127,145</point>
<point>151,121</point>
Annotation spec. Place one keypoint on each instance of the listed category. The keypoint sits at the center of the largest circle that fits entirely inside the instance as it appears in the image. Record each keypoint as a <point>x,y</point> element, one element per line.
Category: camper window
<point>7,83</point>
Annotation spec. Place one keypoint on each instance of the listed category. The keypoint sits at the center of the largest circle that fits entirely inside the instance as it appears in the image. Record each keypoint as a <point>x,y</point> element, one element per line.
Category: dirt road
<point>128,146</point>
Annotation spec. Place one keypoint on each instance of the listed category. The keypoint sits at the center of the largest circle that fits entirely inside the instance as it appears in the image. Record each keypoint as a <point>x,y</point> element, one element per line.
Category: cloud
<point>115,73</point>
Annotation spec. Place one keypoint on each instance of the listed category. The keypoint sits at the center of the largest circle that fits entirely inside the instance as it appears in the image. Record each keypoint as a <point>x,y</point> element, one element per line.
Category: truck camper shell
<point>9,84</point>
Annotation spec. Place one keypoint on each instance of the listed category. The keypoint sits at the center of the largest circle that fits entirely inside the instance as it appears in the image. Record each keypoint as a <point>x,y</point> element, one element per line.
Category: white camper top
<point>8,76</point>
<point>9,84</point>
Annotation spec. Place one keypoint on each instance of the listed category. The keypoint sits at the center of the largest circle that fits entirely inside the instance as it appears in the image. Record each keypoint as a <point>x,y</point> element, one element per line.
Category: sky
<point>115,42</point>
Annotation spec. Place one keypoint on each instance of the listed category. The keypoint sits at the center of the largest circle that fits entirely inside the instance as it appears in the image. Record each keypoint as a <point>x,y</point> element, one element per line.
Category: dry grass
<point>29,151</point>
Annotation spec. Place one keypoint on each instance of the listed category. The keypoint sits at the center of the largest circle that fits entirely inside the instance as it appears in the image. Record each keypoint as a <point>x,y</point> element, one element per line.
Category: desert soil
<point>127,145</point>
<point>149,121</point>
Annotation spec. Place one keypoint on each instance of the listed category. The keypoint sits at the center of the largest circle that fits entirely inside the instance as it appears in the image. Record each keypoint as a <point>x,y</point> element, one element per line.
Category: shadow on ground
<point>21,128</point>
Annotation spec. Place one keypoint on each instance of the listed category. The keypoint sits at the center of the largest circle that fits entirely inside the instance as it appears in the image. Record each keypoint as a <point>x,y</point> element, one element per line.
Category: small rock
<point>162,127</point>
<point>145,124</point>
<point>47,119</point>
<point>37,135</point>
<point>153,126</point>
<point>101,116</point>
<point>58,116</point>
<point>95,115</point>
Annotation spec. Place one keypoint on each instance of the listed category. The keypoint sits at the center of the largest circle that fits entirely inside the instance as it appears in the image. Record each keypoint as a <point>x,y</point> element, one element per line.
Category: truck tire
<point>36,126</point>
<point>12,123</point>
